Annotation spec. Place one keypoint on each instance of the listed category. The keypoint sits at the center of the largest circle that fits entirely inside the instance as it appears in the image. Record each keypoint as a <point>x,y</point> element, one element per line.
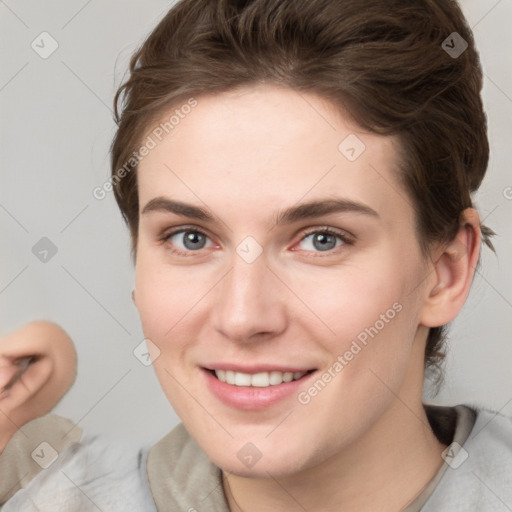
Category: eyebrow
<point>302,211</point>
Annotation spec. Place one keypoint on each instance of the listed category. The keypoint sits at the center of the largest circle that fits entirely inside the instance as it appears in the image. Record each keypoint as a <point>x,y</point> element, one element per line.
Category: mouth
<point>257,380</point>
<point>255,389</point>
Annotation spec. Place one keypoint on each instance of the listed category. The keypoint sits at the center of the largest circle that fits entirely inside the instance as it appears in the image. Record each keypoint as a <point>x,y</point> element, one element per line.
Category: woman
<point>297,181</point>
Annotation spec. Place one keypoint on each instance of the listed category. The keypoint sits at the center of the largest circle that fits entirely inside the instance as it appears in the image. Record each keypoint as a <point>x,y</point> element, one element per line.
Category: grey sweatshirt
<point>50,466</point>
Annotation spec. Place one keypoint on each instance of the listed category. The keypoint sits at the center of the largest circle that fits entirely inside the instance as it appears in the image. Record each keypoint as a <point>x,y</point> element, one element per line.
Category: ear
<point>450,281</point>
<point>34,387</point>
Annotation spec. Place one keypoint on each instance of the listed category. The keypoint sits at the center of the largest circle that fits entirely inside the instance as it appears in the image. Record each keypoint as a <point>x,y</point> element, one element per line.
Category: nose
<point>250,302</point>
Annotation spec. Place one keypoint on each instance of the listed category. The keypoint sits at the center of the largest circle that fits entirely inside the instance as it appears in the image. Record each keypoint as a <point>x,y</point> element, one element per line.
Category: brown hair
<point>381,61</point>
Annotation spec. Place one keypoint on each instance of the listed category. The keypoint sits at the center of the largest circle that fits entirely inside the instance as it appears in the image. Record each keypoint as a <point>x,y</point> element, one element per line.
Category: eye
<point>324,240</point>
<point>186,240</point>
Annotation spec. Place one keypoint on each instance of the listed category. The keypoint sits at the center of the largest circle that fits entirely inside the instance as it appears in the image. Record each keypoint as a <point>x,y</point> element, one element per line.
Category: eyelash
<point>323,230</point>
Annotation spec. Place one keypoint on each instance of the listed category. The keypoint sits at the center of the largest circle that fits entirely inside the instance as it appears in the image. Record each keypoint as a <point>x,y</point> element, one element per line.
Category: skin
<point>363,442</point>
<point>35,390</point>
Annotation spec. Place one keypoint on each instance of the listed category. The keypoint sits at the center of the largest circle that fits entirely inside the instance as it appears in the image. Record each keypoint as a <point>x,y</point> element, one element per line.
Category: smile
<point>256,389</point>
<point>258,380</point>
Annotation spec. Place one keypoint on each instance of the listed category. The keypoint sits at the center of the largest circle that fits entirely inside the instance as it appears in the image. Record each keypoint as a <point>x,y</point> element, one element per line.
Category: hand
<point>37,368</point>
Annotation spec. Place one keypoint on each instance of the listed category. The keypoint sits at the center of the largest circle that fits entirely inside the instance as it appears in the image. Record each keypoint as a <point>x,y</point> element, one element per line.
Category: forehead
<point>266,146</point>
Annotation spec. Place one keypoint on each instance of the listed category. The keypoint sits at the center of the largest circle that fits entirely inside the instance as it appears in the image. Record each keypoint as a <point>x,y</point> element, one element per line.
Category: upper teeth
<point>259,380</point>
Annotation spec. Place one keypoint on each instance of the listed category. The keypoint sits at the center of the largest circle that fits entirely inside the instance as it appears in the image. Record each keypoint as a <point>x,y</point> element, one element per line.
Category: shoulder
<point>479,477</point>
<point>490,448</point>
<point>89,475</point>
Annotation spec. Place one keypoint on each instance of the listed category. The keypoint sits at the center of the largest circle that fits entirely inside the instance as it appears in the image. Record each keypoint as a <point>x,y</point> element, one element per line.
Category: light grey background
<point>55,131</point>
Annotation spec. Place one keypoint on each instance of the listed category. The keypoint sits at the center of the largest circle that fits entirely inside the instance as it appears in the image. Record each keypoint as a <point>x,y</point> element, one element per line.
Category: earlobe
<point>453,272</point>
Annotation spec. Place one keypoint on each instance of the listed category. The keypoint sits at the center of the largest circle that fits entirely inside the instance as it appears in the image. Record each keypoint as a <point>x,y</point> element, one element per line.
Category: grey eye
<point>321,241</point>
<point>189,240</point>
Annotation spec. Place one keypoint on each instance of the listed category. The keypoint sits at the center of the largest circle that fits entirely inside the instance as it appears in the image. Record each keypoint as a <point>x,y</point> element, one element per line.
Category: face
<point>248,287</point>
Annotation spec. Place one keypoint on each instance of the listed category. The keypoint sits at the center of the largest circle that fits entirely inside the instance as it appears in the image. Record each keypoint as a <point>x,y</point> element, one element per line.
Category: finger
<point>11,371</point>
<point>8,372</point>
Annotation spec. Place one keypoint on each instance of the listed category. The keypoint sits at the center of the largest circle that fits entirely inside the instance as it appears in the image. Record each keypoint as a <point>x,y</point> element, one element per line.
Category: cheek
<point>373,319</point>
<point>350,299</point>
<point>167,299</point>
<point>369,316</point>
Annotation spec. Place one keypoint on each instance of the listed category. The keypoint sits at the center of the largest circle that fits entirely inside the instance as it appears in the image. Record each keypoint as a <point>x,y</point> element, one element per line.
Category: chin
<point>251,462</point>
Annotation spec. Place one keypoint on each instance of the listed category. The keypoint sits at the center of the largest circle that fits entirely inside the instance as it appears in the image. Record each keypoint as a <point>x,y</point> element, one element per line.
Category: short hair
<point>407,68</point>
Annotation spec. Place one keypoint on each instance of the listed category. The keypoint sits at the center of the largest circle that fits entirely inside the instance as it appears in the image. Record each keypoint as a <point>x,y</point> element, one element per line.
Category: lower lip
<point>251,398</point>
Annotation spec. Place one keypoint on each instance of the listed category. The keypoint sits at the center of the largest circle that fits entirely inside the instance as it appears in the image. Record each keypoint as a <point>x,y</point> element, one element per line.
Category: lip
<point>250,398</point>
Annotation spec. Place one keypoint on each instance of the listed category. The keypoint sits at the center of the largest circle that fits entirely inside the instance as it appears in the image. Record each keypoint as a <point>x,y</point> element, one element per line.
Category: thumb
<point>12,370</point>
<point>7,373</point>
